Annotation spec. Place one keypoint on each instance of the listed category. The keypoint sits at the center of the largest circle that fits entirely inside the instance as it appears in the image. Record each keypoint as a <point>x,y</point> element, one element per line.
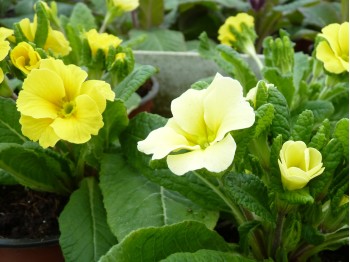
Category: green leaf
<point>10,129</point>
<point>341,132</point>
<point>291,231</point>
<point>300,69</point>
<point>297,197</point>
<point>281,121</point>
<point>42,29</point>
<point>250,192</point>
<point>312,235</point>
<point>199,85</point>
<point>240,69</point>
<point>6,178</point>
<point>206,256</point>
<point>151,13</point>
<point>284,83</point>
<point>322,14</point>
<point>303,127</point>
<point>188,185</point>
<point>133,81</point>
<point>261,93</point>
<point>85,235</point>
<point>36,168</point>
<point>82,18</point>
<point>159,40</point>
<point>133,202</point>
<point>264,117</point>
<point>154,244</point>
<point>320,108</point>
<point>319,140</point>
<point>245,233</point>
<point>274,177</point>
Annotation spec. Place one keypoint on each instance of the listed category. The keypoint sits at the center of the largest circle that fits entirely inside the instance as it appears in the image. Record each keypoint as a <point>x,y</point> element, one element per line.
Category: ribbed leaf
<point>36,168</point>
<point>188,185</point>
<point>341,132</point>
<point>281,121</point>
<point>10,129</point>
<point>245,233</point>
<point>249,191</point>
<point>261,94</point>
<point>42,29</point>
<point>322,136</point>
<point>302,129</point>
<point>85,235</point>
<point>206,256</point>
<point>154,244</point>
<point>297,197</point>
<point>6,178</point>
<point>133,202</point>
<point>274,177</point>
<point>133,81</point>
<point>264,117</point>
<point>320,109</point>
<point>82,17</point>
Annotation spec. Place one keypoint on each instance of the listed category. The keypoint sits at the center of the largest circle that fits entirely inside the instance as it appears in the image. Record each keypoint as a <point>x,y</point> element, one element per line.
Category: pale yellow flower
<point>198,135</point>
<point>101,41</point>
<point>124,5</point>
<point>4,44</point>
<point>299,164</point>
<point>225,34</point>
<point>57,103</point>
<point>24,57</point>
<point>55,42</point>
<point>333,51</point>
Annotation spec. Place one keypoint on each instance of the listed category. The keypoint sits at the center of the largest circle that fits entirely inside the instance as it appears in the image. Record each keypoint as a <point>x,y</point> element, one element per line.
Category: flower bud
<point>123,5</point>
<point>299,164</point>
<point>101,41</point>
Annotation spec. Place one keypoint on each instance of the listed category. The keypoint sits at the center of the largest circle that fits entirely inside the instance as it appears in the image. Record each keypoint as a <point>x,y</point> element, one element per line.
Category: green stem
<point>234,208</point>
<point>105,22</point>
<point>250,50</point>
<point>278,232</point>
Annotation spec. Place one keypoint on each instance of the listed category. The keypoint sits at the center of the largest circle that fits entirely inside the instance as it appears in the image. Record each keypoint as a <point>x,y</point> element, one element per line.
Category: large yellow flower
<point>198,135</point>
<point>24,57</point>
<point>101,41</point>
<point>124,5</point>
<point>299,164</point>
<point>225,34</point>
<point>56,41</point>
<point>55,103</point>
<point>333,51</point>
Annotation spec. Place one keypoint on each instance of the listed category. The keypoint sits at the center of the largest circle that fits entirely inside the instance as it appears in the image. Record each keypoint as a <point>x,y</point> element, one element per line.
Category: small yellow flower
<point>4,44</point>
<point>225,34</point>
<point>101,41</point>
<point>57,103</point>
<point>8,34</point>
<point>55,42</point>
<point>124,5</point>
<point>333,51</point>
<point>299,164</point>
<point>24,57</point>
<point>198,135</point>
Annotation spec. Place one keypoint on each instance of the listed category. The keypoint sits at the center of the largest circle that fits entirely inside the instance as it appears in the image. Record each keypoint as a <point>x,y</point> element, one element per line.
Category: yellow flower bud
<point>120,57</point>
<point>101,41</point>
<point>299,164</point>
<point>24,57</point>
<point>124,5</point>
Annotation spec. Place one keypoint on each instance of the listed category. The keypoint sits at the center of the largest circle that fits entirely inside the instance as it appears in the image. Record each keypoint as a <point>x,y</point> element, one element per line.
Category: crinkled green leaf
<point>264,117</point>
<point>291,231</point>
<point>297,197</point>
<point>250,192</point>
<point>10,129</point>
<point>322,136</point>
<point>133,81</point>
<point>36,168</point>
<point>301,68</point>
<point>320,108</point>
<point>188,185</point>
<point>82,17</point>
<point>206,256</point>
<point>284,83</point>
<point>274,177</point>
<point>341,132</point>
<point>337,196</point>
<point>312,235</point>
<point>42,29</point>
<point>200,85</point>
<point>242,138</point>
<point>302,129</point>
<point>261,94</point>
<point>154,244</point>
<point>133,202</point>
<point>246,231</point>
<point>6,178</point>
<point>281,121</point>
<point>85,235</point>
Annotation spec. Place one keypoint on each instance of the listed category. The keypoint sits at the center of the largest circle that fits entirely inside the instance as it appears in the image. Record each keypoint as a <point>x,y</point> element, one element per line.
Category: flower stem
<point>105,22</point>
<point>278,231</point>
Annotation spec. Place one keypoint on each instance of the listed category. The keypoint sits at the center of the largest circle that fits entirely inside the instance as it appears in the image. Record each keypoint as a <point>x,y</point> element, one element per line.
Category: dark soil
<point>145,88</point>
<point>25,213</point>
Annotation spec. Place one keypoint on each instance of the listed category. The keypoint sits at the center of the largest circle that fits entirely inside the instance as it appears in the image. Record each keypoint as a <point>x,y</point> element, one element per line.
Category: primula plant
<point>250,167</point>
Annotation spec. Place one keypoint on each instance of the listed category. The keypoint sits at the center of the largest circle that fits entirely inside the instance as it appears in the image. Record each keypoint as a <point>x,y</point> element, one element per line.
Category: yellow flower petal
<point>84,122</point>
<point>325,54</point>
<point>295,179</point>
<point>24,57</point>
<point>28,29</point>
<point>101,41</point>
<point>215,158</point>
<point>42,94</point>
<point>39,129</point>
<point>2,76</point>
<point>343,38</point>
<point>4,49</point>
<point>57,43</point>
<point>294,154</point>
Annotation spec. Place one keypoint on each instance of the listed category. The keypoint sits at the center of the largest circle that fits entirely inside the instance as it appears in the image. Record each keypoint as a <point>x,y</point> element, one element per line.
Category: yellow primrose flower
<point>225,34</point>
<point>124,5</point>
<point>299,164</point>
<point>333,51</point>
<point>200,126</point>
<point>101,41</point>
<point>4,44</point>
<point>56,41</point>
<point>57,103</point>
<point>24,57</point>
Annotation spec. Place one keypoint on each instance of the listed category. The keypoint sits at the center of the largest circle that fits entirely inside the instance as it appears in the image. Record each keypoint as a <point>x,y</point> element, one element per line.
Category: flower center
<point>67,110</point>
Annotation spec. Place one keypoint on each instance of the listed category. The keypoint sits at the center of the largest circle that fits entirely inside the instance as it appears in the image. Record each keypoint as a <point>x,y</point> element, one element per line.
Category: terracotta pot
<point>29,250</point>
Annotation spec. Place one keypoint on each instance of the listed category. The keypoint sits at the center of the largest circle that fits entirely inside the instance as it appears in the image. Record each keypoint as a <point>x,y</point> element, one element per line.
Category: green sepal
<point>281,121</point>
<point>250,192</point>
<point>19,35</point>
<point>302,129</point>
<point>43,25</point>
<point>244,39</point>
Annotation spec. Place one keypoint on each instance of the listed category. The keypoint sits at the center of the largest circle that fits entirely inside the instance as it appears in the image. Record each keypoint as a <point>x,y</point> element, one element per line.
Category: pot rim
<point>27,243</point>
